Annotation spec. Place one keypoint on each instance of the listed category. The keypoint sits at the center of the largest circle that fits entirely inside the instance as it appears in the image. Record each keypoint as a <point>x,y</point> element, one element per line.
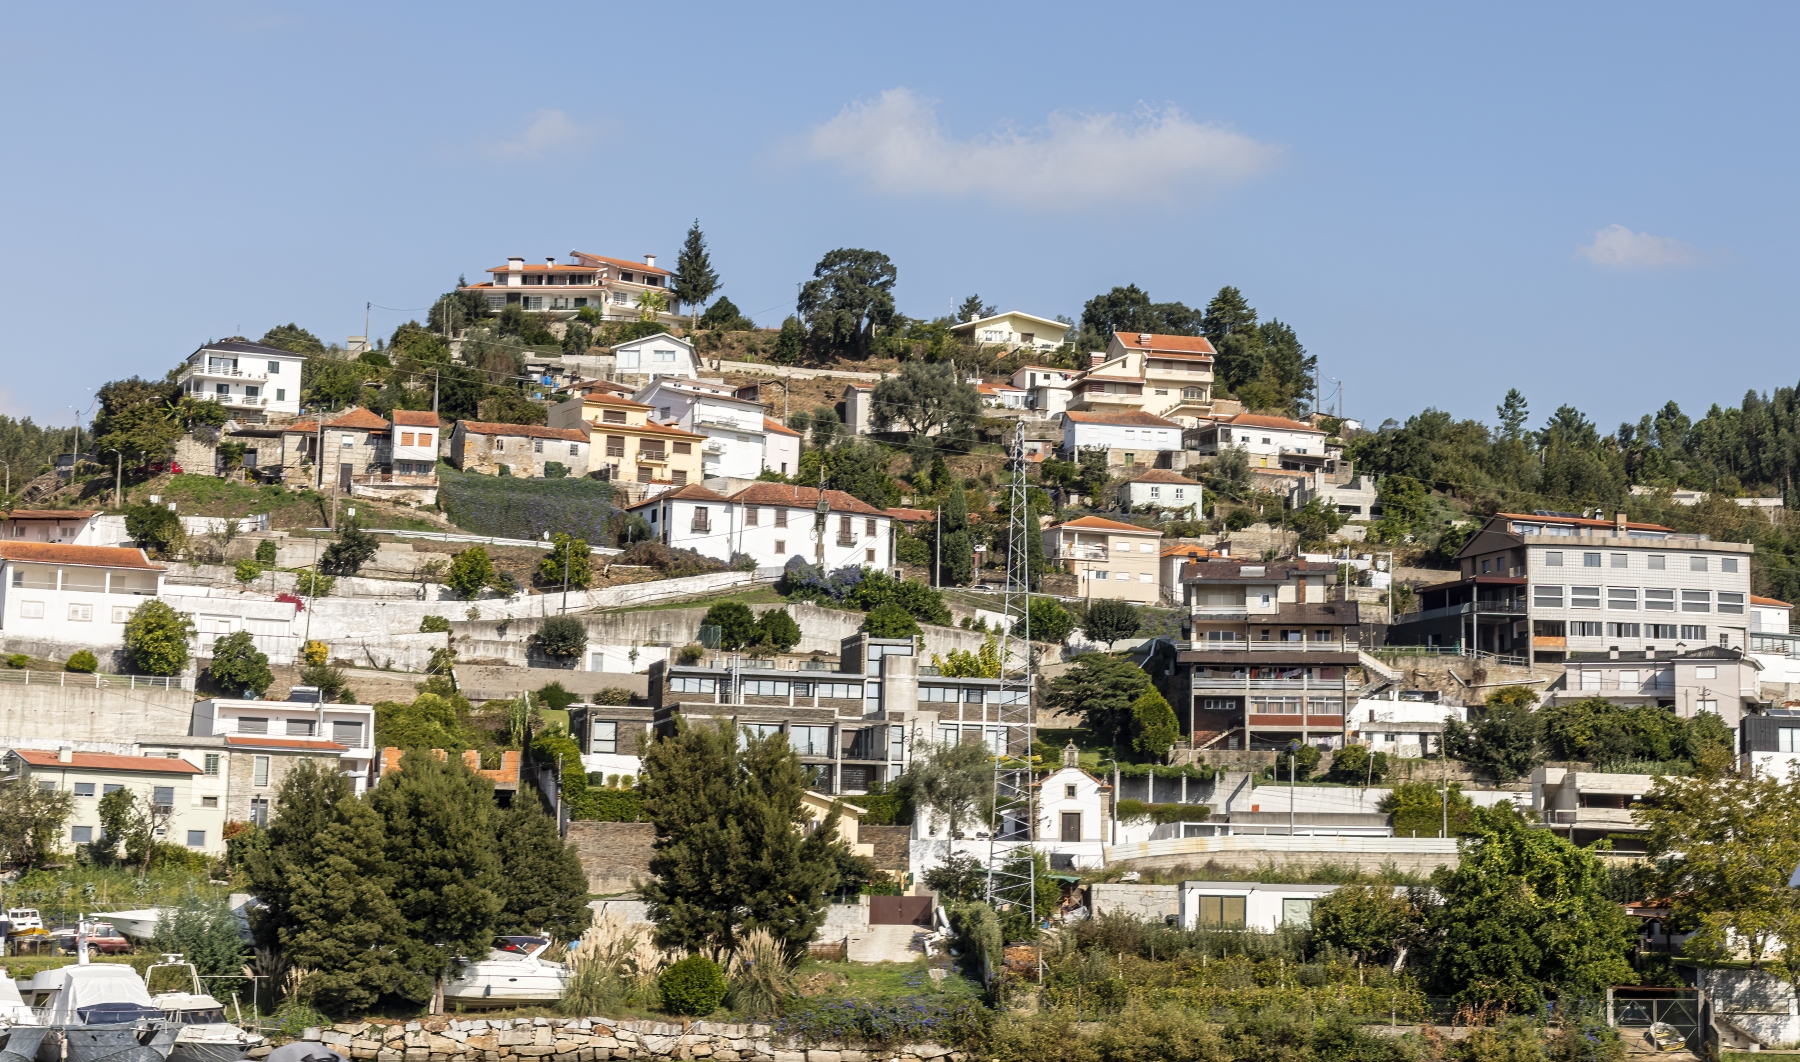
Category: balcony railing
<point>1272,646</point>
<point>656,457</point>
<point>1480,607</point>
<point>615,451</point>
<point>846,540</point>
<point>702,527</point>
<point>232,374</point>
<point>1098,553</point>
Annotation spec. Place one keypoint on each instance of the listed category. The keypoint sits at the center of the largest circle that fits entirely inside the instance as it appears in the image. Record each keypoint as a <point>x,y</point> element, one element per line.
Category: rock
<point>415,1037</point>
<point>311,1032</point>
<point>788,1056</point>
<point>541,1036</point>
<point>606,1042</point>
<point>354,1028</point>
<point>458,1035</point>
<point>533,1051</point>
<point>334,1038</point>
<point>416,1054</point>
<point>413,1026</point>
<point>515,1038</point>
<point>853,1056</point>
<point>822,1056</point>
<point>260,1052</point>
<point>442,1045</point>
<point>540,1021</point>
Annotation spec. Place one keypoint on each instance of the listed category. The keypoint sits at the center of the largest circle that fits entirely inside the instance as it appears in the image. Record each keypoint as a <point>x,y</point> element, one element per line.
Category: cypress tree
<point>542,886</point>
<point>324,884</point>
<point>438,816</point>
<point>695,280</point>
<point>957,546</point>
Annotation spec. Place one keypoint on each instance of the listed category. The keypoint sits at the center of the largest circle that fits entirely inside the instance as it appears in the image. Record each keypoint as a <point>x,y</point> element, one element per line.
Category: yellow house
<point>1109,558</point>
<point>626,446</point>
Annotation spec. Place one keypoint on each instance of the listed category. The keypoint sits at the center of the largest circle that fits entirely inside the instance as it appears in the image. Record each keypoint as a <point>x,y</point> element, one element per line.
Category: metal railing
<point>1509,659</point>
<point>1241,646</point>
<point>1098,553</point>
<point>96,680</point>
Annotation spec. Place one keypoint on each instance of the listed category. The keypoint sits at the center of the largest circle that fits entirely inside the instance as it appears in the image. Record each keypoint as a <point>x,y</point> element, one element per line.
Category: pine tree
<point>957,547</point>
<point>323,881</point>
<point>542,886</point>
<point>1227,313</point>
<point>695,280</point>
<point>735,848</point>
<point>438,816</point>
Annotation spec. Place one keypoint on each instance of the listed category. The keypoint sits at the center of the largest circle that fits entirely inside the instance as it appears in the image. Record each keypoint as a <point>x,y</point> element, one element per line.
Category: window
<point>259,772</point>
<point>196,839</point>
<point>1584,596</point>
<point>251,391</point>
<point>1590,680</point>
<point>1621,598</point>
<point>1620,560</point>
<point>345,442</point>
<point>869,527</point>
<point>259,811</point>
<point>1660,630</point>
<point>347,732</point>
<point>1731,602</point>
<point>748,732</point>
<point>1728,564</point>
<point>612,416</point>
<point>603,737</point>
<point>684,448</point>
<point>162,796</point>
<point>1787,739</point>
<point>253,726</point>
<point>750,517</point>
<point>678,478</point>
<point>764,688</point>
<point>810,740</point>
<point>222,389</point>
<point>1707,705</point>
<point>780,520</point>
<point>281,394</point>
<point>1553,559</point>
<point>868,556</point>
<point>424,438</point>
<point>300,728</point>
<point>665,412</point>
<point>1621,630</point>
<point>846,690</point>
<point>690,684</point>
<point>1580,629</point>
<point>1696,564</point>
<point>85,834</point>
<point>1696,600</point>
<point>537,446</point>
<point>1100,575</point>
<point>1296,911</point>
<point>406,438</point>
<point>30,609</point>
<point>212,764</point>
<point>1658,562</point>
<point>1590,560</point>
<point>1699,673</point>
<point>1069,792</point>
<point>1693,632</point>
<point>109,787</point>
<point>84,789</point>
<point>1220,910</point>
<point>80,613</point>
<point>274,368</point>
<point>781,545</point>
<point>1659,600</point>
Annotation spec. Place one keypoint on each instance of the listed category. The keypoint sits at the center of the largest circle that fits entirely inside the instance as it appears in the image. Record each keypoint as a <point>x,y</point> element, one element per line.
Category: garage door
<point>900,910</point>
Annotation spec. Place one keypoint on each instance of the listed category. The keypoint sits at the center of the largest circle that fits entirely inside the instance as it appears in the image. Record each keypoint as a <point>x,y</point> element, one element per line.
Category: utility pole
<point>568,548</point>
<point>1291,790</point>
<point>938,545</point>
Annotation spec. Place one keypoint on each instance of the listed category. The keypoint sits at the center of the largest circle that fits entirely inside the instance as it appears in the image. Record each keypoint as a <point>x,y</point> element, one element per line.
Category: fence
<point>98,680</point>
<point>1637,1008</point>
<point>484,540</point>
<point>1449,650</point>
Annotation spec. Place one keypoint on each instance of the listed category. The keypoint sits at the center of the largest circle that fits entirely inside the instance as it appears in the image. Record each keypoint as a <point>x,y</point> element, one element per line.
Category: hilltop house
<point>254,381</point>
<point>1129,436</point>
<point>1108,558</point>
<point>614,288</point>
<point>1160,489</point>
<point>165,786</point>
<point>628,446</point>
<point>734,441</point>
<point>56,599</point>
<point>1013,330</point>
<point>1271,442</point>
<point>772,523</point>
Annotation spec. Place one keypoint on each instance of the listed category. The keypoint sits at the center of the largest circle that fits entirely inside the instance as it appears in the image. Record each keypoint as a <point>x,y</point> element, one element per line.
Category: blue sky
<point>1590,202</point>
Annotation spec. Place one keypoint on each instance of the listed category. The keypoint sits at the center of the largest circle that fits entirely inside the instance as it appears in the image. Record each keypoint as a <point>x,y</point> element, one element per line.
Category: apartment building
<point>1108,558</point>
<point>1047,391</point>
<point>254,381</point>
<point>1589,806</point>
<point>1725,682</point>
<point>612,738</point>
<point>854,722</point>
<point>59,598</point>
<point>524,450</point>
<point>1270,655</point>
<point>655,357</point>
<point>628,446</point>
<point>1013,330</point>
<point>735,442</point>
<point>163,785</point>
<point>1544,585</point>
<point>614,288</point>
<point>1769,742</point>
<point>1270,442</point>
<point>266,739</point>
<point>773,523</point>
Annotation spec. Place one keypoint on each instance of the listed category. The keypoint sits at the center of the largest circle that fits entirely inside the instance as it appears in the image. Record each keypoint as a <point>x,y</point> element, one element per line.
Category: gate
<point>900,911</point>
<point>1633,1009</point>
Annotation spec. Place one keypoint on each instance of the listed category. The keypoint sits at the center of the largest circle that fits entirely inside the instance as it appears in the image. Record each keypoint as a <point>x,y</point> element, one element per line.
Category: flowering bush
<point>809,582</point>
<point>902,1019</point>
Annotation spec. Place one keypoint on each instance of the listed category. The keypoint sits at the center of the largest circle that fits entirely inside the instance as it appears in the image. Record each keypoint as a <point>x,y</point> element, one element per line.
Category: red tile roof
<point>1257,420</point>
<point>360,419</point>
<point>650,429</point>
<point>1191,551</point>
<point>259,741</point>
<point>543,267</point>
<point>416,418</point>
<point>1131,418</point>
<point>1161,475</point>
<point>911,516</point>
<point>691,492</point>
<point>802,498</point>
<point>1095,523</point>
<point>612,400</point>
<point>52,514</point>
<point>79,556</point>
<point>102,761</point>
<point>1158,342</point>
<point>1771,602</point>
<point>1579,521</point>
<point>603,385</point>
<point>528,431</point>
<point>625,263</point>
<point>771,424</point>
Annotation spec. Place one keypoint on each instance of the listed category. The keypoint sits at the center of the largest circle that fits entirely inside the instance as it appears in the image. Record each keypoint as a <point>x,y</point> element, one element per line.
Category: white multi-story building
<point>254,381</point>
<point>1013,330</point>
<point>781,447</point>
<point>416,437</point>
<point>1161,489</point>
<point>1553,584</point>
<point>73,527</point>
<point>614,288</point>
<point>772,523</point>
<point>655,356</point>
<point>1712,679</point>
<point>71,597</point>
<point>735,441</point>
<point>1139,435</point>
<point>1107,558</point>
<point>266,730</point>
<point>1046,390</point>
<point>1271,442</point>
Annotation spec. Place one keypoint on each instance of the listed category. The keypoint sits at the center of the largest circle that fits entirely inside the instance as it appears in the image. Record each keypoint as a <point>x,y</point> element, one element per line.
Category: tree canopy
<point>850,296</point>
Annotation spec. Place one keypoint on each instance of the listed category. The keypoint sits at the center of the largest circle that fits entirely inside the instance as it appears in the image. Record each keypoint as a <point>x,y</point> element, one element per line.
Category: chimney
<point>550,261</point>
<point>1143,339</point>
<point>65,754</point>
<point>1096,359</point>
<point>515,264</point>
<point>650,260</point>
<point>1619,521</point>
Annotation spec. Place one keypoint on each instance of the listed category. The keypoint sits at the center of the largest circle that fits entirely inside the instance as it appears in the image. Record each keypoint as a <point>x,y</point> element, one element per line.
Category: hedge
<point>511,507</point>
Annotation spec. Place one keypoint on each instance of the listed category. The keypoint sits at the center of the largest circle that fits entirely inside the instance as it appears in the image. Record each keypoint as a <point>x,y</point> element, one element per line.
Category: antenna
<point>1014,817</point>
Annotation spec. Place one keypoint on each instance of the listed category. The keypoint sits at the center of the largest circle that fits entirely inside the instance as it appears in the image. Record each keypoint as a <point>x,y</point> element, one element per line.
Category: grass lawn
<point>762,595</point>
<point>881,980</point>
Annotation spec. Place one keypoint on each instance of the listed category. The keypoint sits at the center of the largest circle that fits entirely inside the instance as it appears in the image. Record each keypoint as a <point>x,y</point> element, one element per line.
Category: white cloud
<point>549,132</point>
<point>1619,247</point>
<point>896,144</point>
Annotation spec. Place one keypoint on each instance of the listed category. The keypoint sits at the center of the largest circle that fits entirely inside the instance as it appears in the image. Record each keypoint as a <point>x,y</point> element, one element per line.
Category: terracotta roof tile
<point>416,418</point>
<point>102,761</point>
<point>1771,602</point>
<point>1159,342</point>
<point>1132,418</point>
<point>528,431</point>
<point>1257,420</point>
<point>1161,475</point>
<point>259,741</point>
<point>52,514</point>
<point>626,263</point>
<point>360,419</point>
<point>802,498</point>
<point>543,267</point>
<point>79,556</point>
<point>1095,523</point>
<point>691,492</point>
<point>612,400</point>
<point>771,424</point>
<point>911,516</point>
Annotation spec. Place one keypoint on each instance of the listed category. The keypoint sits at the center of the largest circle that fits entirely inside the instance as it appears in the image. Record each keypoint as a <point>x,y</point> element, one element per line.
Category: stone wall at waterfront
<point>591,1040</point>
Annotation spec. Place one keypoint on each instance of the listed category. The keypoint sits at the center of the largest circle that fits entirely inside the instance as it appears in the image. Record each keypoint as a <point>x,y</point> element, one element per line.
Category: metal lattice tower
<point>1011,826</point>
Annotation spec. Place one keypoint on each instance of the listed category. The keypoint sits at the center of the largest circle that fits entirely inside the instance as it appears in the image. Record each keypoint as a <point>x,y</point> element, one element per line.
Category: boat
<point>98,1012</point>
<point>203,1034</point>
<point>514,972</point>
<point>20,1033</point>
<point>25,921</point>
<point>138,925</point>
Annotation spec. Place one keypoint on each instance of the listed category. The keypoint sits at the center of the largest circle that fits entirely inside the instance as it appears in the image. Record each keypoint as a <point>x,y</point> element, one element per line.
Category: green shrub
<point>690,655</point>
<point>693,987</point>
<point>434,625</point>
<point>83,662</point>
<point>890,620</point>
<point>247,571</point>
<point>265,553</point>
<point>309,584</point>
<point>17,660</point>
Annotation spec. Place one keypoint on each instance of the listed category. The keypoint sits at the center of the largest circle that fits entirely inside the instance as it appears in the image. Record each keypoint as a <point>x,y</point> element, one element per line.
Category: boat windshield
<point>111,1013</point>
<point>199,1017</point>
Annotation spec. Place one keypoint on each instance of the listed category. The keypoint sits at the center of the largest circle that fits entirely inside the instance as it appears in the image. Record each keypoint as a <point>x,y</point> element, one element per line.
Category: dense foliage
<point>525,508</point>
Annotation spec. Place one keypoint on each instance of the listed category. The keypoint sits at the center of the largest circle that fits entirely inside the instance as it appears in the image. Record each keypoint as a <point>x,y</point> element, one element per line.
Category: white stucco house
<point>1247,904</point>
<point>781,447</point>
<point>1047,391</point>
<point>771,523</point>
<point>658,355</point>
<point>58,598</point>
<point>1073,809</point>
<point>733,427</point>
<point>254,381</point>
<point>1161,489</point>
<point>73,527</point>
<point>1130,430</point>
<point>1012,330</point>
<point>1266,439</point>
<point>345,731</point>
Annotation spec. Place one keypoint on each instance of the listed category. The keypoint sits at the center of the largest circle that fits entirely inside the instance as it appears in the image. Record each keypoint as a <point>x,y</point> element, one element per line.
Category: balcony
<point>1484,608</point>
<point>846,540</point>
<point>1089,553</point>
<point>701,527</point>
<point>725,422</point>
<point>713,446</point>
<point>615,451</point>
<point>226,374</point>
<point>653,457</point>
<point>1592,818</point>
<point>1272,646</point>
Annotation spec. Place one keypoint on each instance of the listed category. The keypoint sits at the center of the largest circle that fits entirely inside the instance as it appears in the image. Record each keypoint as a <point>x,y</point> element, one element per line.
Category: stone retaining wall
<point>590,1040</point>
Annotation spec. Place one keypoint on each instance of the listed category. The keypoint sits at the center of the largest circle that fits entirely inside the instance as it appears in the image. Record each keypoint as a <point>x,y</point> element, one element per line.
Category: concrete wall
<point>1421,855</point>
<point>85,714</point>
<point>1146,903</point>
<point>1756,1003</point>
<point>482,683</point>
<point>616,855</point>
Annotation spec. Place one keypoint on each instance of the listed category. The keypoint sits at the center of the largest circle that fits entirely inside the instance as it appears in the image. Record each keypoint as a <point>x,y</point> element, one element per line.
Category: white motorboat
<point>138,924</point>
<point>513,972</point>
<point>203,1033</point>
<point>99,1012</point>
<point>20,1033</point>
<point>25,920</point>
